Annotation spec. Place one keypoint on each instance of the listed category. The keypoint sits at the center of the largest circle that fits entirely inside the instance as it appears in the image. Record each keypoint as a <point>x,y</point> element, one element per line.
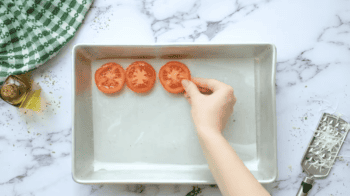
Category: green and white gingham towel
<point>33,31</point>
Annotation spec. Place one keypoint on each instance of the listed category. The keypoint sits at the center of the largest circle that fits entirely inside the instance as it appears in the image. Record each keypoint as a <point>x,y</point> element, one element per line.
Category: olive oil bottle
<point>17,90</point>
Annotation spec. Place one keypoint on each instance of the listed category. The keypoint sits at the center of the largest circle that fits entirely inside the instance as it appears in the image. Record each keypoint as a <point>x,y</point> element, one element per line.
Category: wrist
<point>208,129</point>
<point>208,132</point>
<point>209,138</point>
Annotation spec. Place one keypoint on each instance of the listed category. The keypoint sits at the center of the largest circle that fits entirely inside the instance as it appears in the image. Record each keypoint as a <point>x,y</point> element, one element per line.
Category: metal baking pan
<point>150,138</point>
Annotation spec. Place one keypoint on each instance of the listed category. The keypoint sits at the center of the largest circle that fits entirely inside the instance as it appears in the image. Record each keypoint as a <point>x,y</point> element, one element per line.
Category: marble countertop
<point>313,76</point>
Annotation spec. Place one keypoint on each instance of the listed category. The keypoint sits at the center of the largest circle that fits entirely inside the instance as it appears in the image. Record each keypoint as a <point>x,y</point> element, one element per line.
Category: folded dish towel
<point>33,31</point>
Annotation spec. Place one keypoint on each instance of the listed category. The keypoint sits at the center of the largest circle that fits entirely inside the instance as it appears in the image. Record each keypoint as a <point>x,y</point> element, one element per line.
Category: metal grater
<point>323,149</point>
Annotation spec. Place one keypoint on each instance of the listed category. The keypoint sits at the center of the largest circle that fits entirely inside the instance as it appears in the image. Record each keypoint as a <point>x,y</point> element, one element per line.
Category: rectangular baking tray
<point>150,138</point>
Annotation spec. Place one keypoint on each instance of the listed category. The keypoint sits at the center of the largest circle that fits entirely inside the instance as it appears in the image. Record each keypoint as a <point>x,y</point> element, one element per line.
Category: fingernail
<point>184,82</point>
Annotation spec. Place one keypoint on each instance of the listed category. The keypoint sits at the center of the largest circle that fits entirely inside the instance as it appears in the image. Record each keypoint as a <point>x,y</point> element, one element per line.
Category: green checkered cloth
<point>33,31</point>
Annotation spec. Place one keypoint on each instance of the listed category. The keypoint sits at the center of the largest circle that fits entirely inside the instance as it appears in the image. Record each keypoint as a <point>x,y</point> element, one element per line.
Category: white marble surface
<point>313,75</point>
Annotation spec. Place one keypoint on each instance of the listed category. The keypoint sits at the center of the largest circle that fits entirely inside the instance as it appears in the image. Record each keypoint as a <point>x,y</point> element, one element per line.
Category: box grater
<point>323,149</point>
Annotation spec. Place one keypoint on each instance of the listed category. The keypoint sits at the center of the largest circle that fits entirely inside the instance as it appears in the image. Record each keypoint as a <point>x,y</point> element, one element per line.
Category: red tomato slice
<point>110,78</point>
<point>140,77</point>
<point>171,74</point>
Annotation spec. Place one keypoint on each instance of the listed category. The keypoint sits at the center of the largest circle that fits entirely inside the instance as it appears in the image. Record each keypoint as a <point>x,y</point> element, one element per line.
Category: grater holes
<point>336,125</point>
<point>322,168</point>
<point>328,155</point>
<point>330,122</point>
<point>317,134</point>
<point>320,126</point>
<point>332,130</point>
<point>326,143</point>
<point>323,149</point>
<point>337,134</point>
<point>334,150</point>
<point>309,155</point>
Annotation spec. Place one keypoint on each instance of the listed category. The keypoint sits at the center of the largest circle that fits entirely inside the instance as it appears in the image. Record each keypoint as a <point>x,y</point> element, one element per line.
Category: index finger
<point>211,84</point>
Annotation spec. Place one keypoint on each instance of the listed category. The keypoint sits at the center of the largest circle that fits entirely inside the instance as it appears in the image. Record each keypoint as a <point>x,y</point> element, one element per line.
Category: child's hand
<point>209,112</point>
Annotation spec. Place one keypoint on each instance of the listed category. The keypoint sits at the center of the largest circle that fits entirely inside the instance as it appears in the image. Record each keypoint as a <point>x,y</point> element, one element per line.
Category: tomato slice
<point>110,78</point>
<point>140,77</point>
<point>171,74</point>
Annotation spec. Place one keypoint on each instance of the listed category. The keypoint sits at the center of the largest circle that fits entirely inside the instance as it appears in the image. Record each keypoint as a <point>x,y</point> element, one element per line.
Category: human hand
<point>209,111</point>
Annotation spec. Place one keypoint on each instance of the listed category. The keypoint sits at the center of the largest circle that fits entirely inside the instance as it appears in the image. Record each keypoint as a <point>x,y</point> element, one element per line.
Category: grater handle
<point>305,186</point>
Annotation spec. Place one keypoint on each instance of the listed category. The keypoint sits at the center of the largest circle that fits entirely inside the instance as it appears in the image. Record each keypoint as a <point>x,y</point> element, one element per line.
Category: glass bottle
<point>15,90</point>
<point>18,91</point>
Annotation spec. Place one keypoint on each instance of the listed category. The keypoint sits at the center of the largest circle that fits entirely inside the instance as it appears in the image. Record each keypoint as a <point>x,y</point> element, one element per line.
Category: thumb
<point>190,88</point>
